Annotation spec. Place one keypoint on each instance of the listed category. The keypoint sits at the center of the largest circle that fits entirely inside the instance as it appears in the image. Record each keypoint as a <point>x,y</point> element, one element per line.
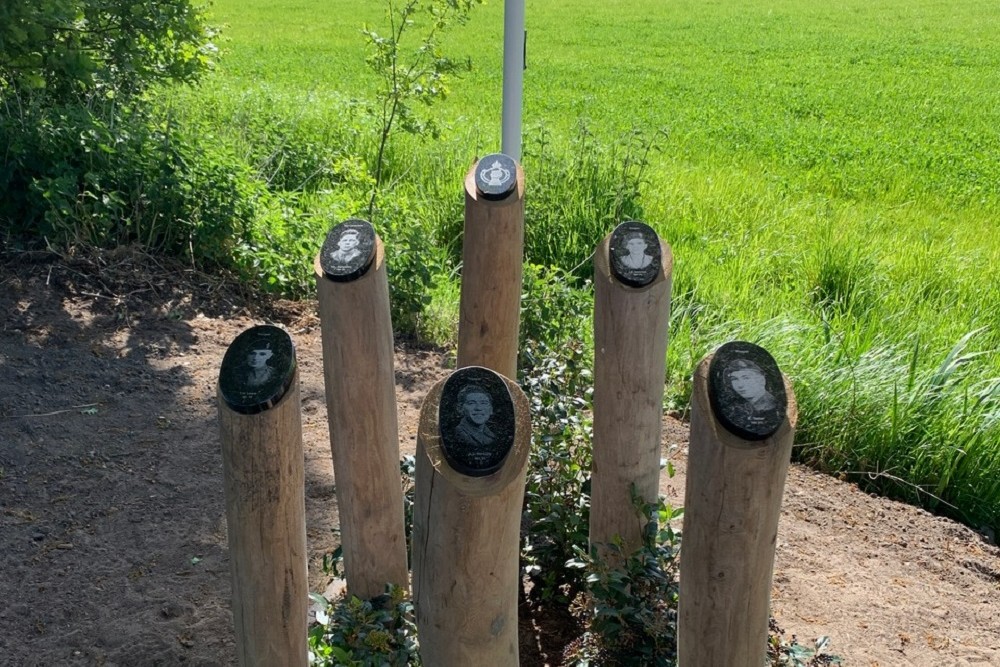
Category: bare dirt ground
<point>112,519</point>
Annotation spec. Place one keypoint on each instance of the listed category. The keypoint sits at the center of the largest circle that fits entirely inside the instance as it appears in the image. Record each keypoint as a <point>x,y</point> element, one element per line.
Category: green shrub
<point>110,176</point>
<point>629,609</point>
<point>69,51</point>
<point>553,311</point>
<point>559,388</point>
<point>413,263</point>
<point>364,633</point>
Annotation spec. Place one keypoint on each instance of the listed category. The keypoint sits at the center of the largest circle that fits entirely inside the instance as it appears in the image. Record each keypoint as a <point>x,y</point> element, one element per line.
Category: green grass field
<point>827,175</point>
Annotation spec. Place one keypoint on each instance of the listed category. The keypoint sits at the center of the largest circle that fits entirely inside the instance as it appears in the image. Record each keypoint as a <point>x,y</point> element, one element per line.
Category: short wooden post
<point>731,509</point>
<point>630,347</point>
<point>466,535</point>
<point>492,257</point>
<point>358,369</point>
<point>261,433</point>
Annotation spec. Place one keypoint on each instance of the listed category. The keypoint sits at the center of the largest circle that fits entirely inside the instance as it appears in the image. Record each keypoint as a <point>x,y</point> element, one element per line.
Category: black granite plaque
<point>257,369</point>
<point>348,250</point>
<point>496,176</point>
<point>476,418</point>
<point>746,390</point>
<point>634,253</point>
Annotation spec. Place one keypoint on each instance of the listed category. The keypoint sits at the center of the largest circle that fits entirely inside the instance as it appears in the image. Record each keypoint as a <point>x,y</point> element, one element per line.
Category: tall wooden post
<point>261,432</point>
<point>631,316</point>
<point>492,257</point>
<point>466,528</point>
<point>731,509</point>
<point>358,370</point>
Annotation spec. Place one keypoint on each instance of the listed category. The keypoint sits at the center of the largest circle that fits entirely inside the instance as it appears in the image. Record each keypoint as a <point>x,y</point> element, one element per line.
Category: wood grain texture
<point>358,369</point>
<point>466,545</point>
<point>630,348</point>
<point>492,258</point>
<point>263,470</point>
<point>731,509</point>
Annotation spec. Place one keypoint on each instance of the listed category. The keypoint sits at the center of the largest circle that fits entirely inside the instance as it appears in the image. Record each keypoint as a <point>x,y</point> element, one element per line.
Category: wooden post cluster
<point>265,513</point>
<point>492,258</point>
<point>467,513</point>
<point>630,344</point>
<point>358,369</point>
<point>732,505</point>
<point>466,543</point>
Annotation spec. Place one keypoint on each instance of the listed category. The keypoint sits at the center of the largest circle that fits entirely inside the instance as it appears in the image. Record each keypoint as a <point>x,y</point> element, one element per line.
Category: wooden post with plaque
<point>743,416</point>
<point>492,257</point>
<point>633,269</point>
<point>358,369</point>
<point>261,432</point>
<point>472,456</point>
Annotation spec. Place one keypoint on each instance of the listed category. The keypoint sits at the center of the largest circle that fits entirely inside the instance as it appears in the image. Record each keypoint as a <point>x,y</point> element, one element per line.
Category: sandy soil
<point>112,514</point>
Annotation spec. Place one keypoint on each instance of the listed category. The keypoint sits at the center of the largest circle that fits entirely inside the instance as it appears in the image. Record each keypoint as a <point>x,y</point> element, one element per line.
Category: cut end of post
<point>496,176</point>
<point>348,251</point>
<point>747,391</point>
<point>257,369</point>
<point>476,419</point>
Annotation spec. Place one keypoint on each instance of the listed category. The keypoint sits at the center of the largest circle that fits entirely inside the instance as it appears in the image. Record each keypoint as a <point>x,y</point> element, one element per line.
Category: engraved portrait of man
<point>749,382</point>
<point>635,256</point>
<point>347,247</point>
<point>259,372</point>
<point>475,407</point>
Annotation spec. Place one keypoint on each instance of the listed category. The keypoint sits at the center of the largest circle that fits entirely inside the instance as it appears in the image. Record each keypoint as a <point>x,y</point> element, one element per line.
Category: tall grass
<point>825,174</point>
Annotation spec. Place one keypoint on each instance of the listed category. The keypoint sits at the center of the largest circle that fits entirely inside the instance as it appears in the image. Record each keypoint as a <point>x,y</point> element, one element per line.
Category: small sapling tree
<point>411,69</point>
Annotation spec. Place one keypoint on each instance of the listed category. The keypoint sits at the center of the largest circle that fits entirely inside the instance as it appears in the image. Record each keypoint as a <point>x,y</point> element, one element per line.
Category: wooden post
<point>630,347</point>
<point>731,509</point>
<point>265,513</point>
<point>492,256</point>
<point>358,369</point>
<point>466,539</point>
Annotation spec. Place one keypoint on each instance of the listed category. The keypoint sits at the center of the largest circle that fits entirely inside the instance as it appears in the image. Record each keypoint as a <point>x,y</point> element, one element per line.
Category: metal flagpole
<point>513,76</point>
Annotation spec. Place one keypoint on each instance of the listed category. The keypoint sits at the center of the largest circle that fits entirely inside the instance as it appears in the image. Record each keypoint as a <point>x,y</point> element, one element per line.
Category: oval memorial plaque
<point>348,250</point>
<point>746,390</point>
<point>496,176</point>
<point>476,418</point>
<point>634,253</point>
<point>257,369</point>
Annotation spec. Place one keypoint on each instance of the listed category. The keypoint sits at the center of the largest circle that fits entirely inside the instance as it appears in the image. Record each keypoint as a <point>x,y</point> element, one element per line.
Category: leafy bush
<point>553,311</point>
<point>630,607</point>
<point>85,158</point>
<point>364,633</point>
<point>413,263</point>
<point>68,50</point>
<point>110,176</point>
<point>559,387</point>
